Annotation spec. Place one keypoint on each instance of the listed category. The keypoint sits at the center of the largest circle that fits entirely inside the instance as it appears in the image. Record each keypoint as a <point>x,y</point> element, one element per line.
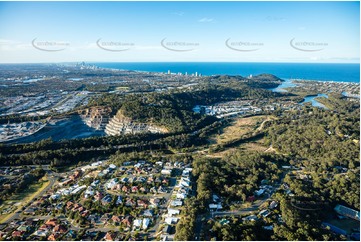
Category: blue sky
<point>192,31</point>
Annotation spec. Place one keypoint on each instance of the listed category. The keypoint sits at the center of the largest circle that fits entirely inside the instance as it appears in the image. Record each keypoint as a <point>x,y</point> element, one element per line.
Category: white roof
<point>215,206</point>
<point>260,191</point>
<point>171,220</point>
<point>172,211</point>
<point>146,222</point>
<point>176,202</point>
<point>166,171</point>
<point>137,222</point>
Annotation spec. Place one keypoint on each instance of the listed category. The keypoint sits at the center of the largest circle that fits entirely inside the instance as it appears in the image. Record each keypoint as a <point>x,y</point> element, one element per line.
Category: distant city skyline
<point>307,32</point>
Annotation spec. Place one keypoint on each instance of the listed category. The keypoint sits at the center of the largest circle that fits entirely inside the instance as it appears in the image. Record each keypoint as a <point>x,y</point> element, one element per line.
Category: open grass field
<point>18,200</point>
<point>239,127</point>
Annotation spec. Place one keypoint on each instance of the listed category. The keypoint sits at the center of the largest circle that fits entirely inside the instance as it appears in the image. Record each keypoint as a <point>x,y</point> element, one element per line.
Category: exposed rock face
<point>96,117</point>
<point>123,125</point>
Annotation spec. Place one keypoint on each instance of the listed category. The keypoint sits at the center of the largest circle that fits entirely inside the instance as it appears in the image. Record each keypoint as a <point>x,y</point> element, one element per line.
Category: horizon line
<point>284,62</point>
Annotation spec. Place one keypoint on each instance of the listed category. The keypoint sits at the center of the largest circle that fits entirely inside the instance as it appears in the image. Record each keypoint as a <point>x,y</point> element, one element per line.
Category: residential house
<point>76,175</point>
<point>161,189</point>
<point>273,205</point>
<point>23,227</point>
<point>214,206</point>
<point>146,222</point>
<point>153,190</point>
<point>154,202</point>
<point>172,211</point>
<point>181,195</point>
<point>111,183</point>
<point>105,218</point>
<point>116,219</point>
<point>215,198</point>
<point>89,192</point>
<point>176,203</point>
<point>125,189</point>
<point>264,213</point>
<point>148,213</point>
<point>168,229</point>
<point>17,234</point>
<point>110,236</point>
<point>171,220</point>
<point>60,229</point>
<point>95,183</point>
<point>124,180</point>
<point>143,189</point>
<point>30,210</point>
<point>41,233</point>
<point>165,182</point>
<point>137,223</point>
<point>127,221</point>
<point>184,183</point>
<point>150,180</point>
<point>94,218</point>
<point>250,218</point>
<point>55,196</point>
<point>69,205</point>
<point>76,207</point>
<point>107,200</point>
<point>158,180</point>
<point>98,196</point>
<point>259,192</point>
<point>166,172</point>
<point>130,202</point>
<point>142,203</point>
<point>135,189</point>
<point>85,213</point>
<point>132,180</point>
<point>269,227</point>
<point>52,222</point>
<point>119,200</point>
<point>45,227</point>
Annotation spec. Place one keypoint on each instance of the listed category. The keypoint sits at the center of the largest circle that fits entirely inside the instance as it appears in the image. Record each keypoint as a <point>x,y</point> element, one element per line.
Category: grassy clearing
<point>238,128</point>
<point>22,198</point>
<point>255,146</point>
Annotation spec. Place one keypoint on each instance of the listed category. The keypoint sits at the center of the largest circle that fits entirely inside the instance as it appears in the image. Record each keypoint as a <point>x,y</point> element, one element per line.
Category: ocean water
<point>308,71</point>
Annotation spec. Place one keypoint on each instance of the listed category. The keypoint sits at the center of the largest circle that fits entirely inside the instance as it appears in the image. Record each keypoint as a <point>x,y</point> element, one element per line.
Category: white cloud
<point>179,13</point>
<point>206,20</point>
<point>274,18</point>
<point>148,47</point>
<point>13,45</point>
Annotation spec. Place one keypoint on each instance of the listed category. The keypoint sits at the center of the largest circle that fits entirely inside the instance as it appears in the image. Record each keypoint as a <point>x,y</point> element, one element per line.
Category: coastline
<point>322,72</point>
